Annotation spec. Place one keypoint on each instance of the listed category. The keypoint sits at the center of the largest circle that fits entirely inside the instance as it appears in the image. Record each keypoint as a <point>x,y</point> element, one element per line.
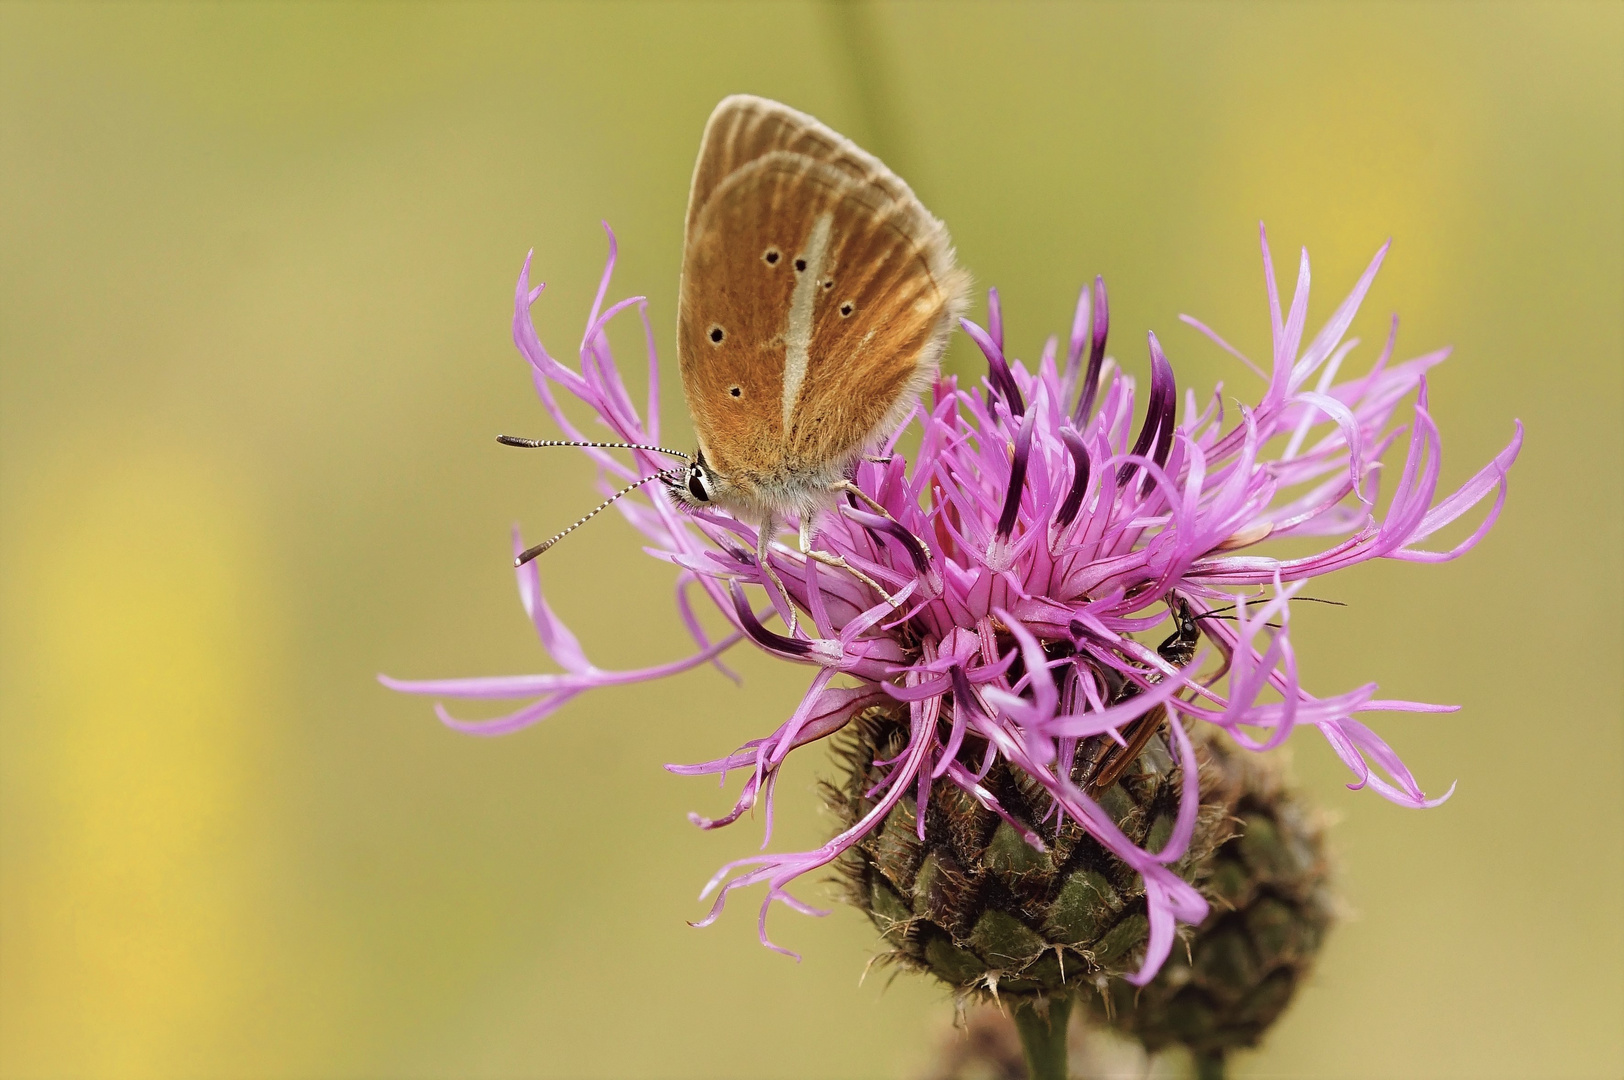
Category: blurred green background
<point>257,269</point>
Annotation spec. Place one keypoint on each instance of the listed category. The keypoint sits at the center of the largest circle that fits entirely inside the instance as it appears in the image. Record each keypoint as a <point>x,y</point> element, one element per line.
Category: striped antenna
<point>514,440</point>
<point>669,475</point>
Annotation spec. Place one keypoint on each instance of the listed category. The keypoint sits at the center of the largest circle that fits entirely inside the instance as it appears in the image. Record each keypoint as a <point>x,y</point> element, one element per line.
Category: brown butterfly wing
<point>734,308</point>
<point>857,349</point>
<point>883,312</point>
<point>743,128</point>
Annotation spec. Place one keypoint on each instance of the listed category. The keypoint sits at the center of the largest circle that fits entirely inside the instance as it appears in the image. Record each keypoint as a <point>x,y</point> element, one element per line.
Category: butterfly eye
<point>846,309</point>
<point>716,335</point>
<point>772,256</point>
<point>696,484</point>
<point>800,265</point>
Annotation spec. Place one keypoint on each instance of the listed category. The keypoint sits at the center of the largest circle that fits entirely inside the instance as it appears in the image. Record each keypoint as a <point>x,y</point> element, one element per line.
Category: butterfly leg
<point>764,539</point>
<point>851,488</point>
<point>828,558</point>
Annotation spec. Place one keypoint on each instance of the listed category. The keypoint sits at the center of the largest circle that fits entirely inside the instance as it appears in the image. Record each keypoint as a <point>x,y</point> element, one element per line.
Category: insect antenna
<point>514,440</point>
<point>668,475</point>
<point>1223,612</point>
<point>1219,613</point>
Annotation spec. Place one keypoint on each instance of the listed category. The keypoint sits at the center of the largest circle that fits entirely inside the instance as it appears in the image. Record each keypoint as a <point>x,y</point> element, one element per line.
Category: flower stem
<point>1043,1038</point>
<point>1209,1066</point>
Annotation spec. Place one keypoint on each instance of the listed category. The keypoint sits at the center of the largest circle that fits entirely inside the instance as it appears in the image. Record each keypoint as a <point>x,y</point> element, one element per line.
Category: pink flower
<point>1035,535</point>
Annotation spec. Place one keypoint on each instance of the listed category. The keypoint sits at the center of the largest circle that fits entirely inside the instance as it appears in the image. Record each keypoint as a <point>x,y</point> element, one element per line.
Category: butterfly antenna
<point>668,475</point>
<point>514,440</point>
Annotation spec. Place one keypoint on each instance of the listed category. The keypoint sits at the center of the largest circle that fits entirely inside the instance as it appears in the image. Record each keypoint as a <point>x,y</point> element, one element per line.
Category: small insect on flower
<point>986,599</point>
<point>1111,758</point>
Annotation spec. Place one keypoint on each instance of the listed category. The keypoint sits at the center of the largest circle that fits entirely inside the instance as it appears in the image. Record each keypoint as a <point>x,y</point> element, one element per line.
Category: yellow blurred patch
<point>1341,163</point>
<point>135,639</point>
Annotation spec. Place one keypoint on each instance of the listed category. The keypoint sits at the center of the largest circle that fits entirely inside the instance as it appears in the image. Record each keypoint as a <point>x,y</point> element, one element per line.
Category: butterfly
<point>816,298</point>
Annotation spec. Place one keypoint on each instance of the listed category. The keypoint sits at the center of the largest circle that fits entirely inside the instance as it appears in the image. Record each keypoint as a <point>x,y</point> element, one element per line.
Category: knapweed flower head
<point>1051,516</point>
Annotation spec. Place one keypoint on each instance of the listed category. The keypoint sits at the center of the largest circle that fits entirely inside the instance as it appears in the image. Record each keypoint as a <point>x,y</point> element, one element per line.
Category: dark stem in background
<point>1209,1066</point>
<point>859,43</point>
<point>1043,1038</point>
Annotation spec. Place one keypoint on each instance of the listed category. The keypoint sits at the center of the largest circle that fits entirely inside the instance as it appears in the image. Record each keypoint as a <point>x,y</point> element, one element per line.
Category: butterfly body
<point>816,298</point>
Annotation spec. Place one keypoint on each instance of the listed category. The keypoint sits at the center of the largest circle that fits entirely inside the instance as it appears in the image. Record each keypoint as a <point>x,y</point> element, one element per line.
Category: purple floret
<point>1030,538</point>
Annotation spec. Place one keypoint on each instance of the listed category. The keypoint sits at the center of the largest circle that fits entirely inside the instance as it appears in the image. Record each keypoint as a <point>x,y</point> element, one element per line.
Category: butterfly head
<point>700,486</point>
<point>696,486</point>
